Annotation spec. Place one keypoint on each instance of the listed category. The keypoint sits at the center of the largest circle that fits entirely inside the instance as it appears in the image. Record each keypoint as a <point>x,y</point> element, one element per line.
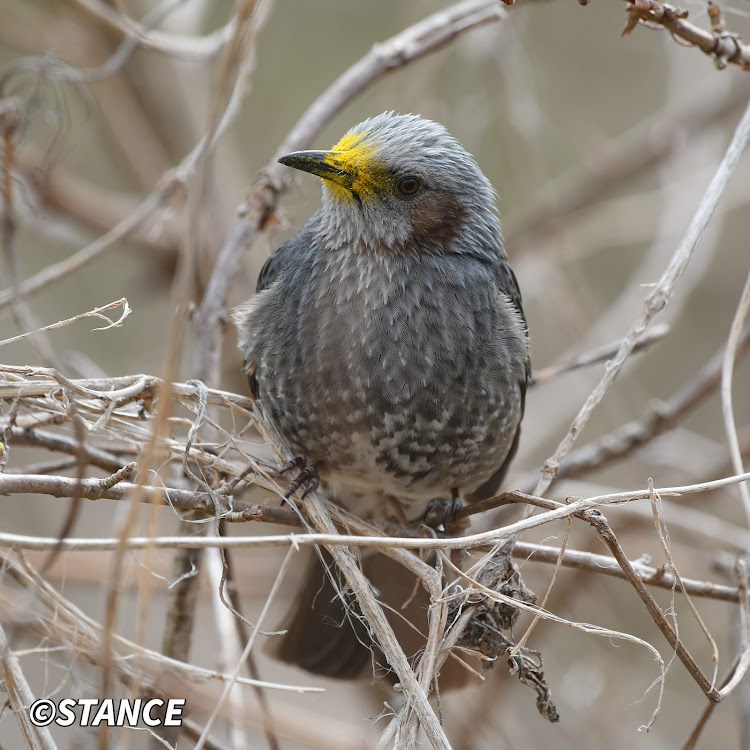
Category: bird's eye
<point>409,186</point>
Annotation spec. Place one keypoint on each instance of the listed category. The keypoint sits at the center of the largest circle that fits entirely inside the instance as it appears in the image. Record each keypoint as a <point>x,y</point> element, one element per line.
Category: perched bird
<point>387,342</point>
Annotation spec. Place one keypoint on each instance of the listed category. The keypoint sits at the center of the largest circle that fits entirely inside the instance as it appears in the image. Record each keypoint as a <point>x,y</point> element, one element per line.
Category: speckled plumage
<point>392,359</point>
<point>387,343</point>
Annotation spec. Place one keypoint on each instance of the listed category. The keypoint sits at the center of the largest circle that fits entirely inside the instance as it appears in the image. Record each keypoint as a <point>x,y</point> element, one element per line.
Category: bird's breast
<point>392,375</point>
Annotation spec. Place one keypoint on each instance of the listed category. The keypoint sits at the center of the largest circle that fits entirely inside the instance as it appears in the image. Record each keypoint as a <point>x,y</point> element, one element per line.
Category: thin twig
<point>238,60</point>
<point>183,46</point>
<point>595,356</point>
<point>727,372</point>
<point>666,543</point>
<point>246,652</point>
<point>162,195</point>
<point>95,313</point>
<point>470,577</point>
<point>416,697</point>
<point>190,500</point>
<point>599,522</point>
<point>661,418</point>
<point>656,300</point>
<point>743,662</point>
<point>231,596</point>
<point>21,698</point>
<point>72,626</point>
<point>387,544</point>
<point>591,562</point>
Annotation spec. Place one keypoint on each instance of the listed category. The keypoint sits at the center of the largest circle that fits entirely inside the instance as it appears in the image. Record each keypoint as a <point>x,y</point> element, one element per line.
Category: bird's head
<point>402,184</point>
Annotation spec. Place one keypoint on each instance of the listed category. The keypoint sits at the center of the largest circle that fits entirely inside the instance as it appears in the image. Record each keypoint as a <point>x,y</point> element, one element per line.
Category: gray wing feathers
<point>284,257</point>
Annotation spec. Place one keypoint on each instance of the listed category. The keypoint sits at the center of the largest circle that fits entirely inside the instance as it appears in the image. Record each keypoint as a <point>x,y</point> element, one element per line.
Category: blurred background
<point>600,147</point>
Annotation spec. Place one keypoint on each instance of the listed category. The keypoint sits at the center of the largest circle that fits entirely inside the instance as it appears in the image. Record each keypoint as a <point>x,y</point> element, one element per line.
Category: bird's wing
<point>272,267</point>
<point>283,257</point>
<point>507,283</point>
<point>508,286</point>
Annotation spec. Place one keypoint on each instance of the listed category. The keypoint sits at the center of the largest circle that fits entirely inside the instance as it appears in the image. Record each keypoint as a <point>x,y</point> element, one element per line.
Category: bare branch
<point>181,46</point>
<point>727,373</point>
<point>599,522</point>
<point>743,662</point>
<point>661,418</point>
<point>21,698</point>
<point>722,46</point>
<point>385,543</point>
<point>595,356</point>
<point>593,563</point>
<point>656,300</point>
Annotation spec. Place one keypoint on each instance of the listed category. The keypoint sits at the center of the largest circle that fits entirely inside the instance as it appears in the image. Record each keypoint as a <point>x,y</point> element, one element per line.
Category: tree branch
<point>721,45</point>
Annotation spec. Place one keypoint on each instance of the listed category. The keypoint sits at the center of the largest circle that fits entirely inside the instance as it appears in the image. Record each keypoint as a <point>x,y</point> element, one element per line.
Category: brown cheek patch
<point>437,217</point>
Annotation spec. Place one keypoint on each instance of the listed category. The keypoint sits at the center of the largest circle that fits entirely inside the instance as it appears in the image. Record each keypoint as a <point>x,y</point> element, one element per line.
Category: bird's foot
<point>308,476</point>
<point>444,512</point>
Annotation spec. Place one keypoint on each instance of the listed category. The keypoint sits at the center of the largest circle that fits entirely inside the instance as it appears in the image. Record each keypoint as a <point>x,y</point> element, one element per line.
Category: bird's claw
<point>442,512</point>
<point>308,476</point>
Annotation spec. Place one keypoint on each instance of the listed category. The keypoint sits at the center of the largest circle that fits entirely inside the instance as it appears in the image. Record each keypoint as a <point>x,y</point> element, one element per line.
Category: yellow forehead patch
<point>354,154</point>
<point>350,141</point>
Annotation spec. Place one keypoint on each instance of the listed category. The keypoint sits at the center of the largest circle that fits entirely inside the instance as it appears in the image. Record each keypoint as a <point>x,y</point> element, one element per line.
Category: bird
<point>388,346</point>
